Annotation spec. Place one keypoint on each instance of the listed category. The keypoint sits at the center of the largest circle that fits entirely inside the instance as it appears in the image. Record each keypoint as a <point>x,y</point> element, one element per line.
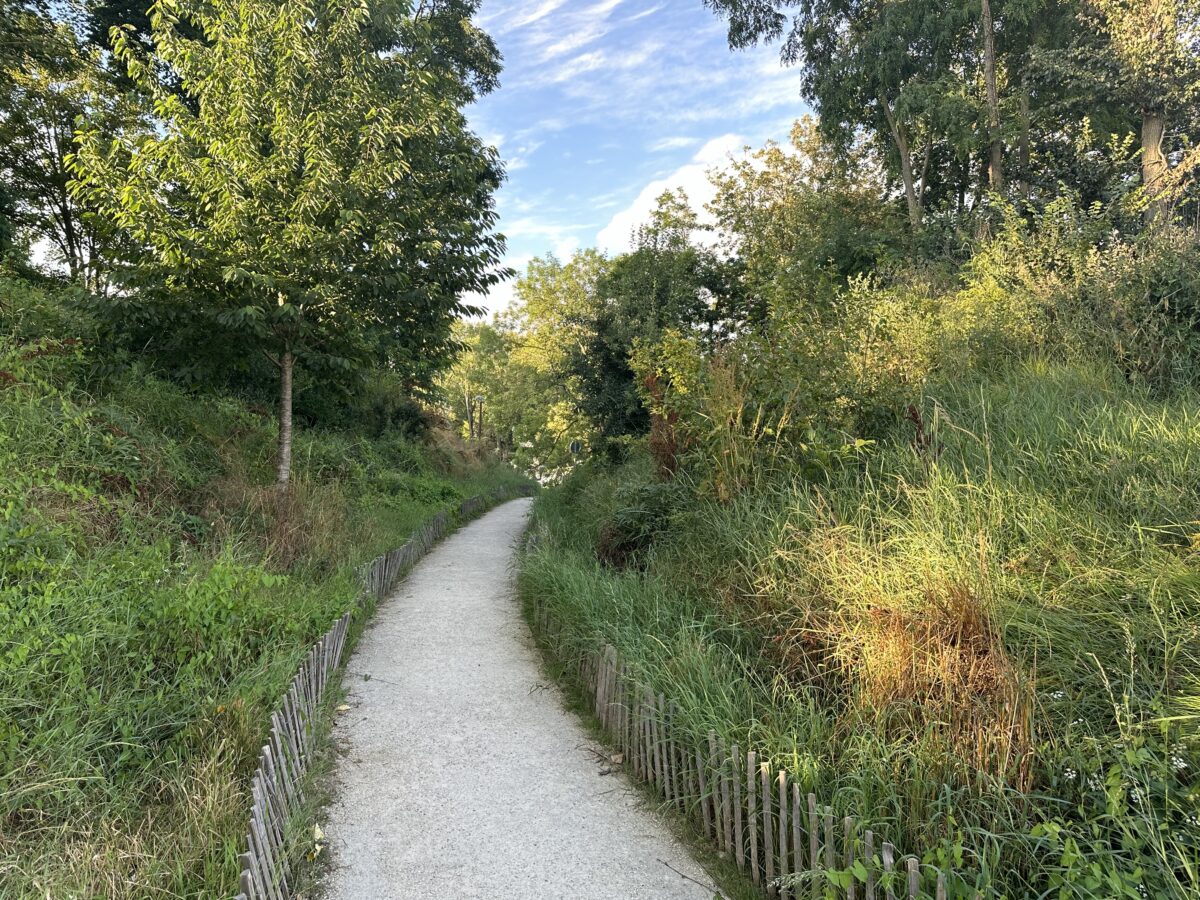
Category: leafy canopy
<point>313,180</point>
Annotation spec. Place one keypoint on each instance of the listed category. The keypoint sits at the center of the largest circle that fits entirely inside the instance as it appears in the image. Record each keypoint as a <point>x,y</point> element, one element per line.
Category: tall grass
<point>984,640</point>
<point>154,601</point>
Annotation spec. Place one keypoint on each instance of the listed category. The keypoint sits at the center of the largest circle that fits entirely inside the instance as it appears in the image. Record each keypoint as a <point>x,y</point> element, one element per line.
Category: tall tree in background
<point>888,67</point>
<point>26,39</point>
<point>995,141</point>
<point>805,218</point>
<point>1156,45</point>
<point>667,281</point>
<point>47,94</point>
<point>323,196</point>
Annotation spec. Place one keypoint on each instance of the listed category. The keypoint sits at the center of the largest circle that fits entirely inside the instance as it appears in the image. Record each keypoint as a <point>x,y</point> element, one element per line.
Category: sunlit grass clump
<point>984,636</point>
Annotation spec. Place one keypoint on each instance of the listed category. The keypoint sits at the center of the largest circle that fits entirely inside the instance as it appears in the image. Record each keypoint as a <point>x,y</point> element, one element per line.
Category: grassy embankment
<point>153,606</point>
<point>986,640</point>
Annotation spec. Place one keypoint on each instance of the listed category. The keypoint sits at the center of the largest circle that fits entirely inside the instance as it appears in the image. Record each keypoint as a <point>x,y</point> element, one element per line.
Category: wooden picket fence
<point>278,786</point>
<point>752,811</point>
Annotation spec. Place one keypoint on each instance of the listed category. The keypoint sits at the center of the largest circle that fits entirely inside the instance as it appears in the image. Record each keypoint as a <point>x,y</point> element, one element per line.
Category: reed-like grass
<point>989,646</point>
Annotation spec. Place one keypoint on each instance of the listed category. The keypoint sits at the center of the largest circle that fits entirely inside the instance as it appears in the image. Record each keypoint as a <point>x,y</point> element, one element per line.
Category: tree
<point>530,412</point>
<point>24,34</point>
<point>805,218</point>
<point>665,282</point>
<point>47,94</point>
<point>890,67</point>
<point>556,300</point>
<point>318,198</point>
<point>1156,45</point>
<point>995,142</point>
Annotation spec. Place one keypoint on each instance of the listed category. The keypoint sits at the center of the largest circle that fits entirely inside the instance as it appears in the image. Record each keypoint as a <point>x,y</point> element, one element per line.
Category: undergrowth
<point>980,636</point>
<point>155,599</point>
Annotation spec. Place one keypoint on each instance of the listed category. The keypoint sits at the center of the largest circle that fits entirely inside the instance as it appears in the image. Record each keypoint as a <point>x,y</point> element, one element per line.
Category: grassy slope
<point>152,609</point>
<point>976,643</point>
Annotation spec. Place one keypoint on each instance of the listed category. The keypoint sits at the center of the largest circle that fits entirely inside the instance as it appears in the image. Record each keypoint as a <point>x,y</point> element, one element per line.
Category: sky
<point>604,104</point>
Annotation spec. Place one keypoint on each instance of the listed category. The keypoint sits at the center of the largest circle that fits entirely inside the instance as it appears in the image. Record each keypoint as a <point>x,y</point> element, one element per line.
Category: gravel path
<point>461,775</point>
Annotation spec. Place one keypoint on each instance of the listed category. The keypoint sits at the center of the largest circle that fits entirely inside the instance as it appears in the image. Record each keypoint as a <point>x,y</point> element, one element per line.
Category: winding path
<point>461,775</point>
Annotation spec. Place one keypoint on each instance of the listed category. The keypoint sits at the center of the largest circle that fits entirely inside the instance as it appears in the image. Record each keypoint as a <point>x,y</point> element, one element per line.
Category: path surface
<point>461,775</point>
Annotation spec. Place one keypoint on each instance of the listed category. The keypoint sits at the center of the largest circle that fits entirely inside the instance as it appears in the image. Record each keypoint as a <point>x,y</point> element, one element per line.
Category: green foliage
<point>805,217</point>
<point>295,230</point>
<point>665,282</point>
<point>154,601</point>
<point>938,86</point>
<point>983,638</point>
<point>924,532</point>
<point>503,393</point>
<point>49,81</point>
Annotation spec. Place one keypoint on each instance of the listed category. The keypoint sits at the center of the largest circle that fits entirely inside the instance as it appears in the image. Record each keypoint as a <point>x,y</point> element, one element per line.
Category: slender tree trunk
<point>926,157</point>
<point>287,364</point>
<point>906,172</point>
<point>1023,154</point>
<point>996,146</point>
<point>1154,163</point>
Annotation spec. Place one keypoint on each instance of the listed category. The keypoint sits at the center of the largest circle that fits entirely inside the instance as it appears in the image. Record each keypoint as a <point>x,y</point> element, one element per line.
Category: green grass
<point>154,603</point>
<point>990,650</point>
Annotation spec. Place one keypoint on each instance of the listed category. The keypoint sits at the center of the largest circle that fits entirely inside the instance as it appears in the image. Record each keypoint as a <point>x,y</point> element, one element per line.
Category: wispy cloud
<point>672,143</point>
<point>507,18</point>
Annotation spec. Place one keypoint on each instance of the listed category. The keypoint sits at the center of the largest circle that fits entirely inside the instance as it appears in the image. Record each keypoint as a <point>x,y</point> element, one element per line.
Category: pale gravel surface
<point>461,775</point>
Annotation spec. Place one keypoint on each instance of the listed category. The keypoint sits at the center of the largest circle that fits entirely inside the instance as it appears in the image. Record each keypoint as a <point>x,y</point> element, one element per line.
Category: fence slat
<point>676,776</point>
<point>768,827</point>
<point>656,742</point>
<point>647,745</point>
<point>268,840</point>
<point>752,813</point>
<point>266,864</point>
<point>830,840</point>
<point>256,868</point>
<point>705,798</point>
<point>813,842</point>
<point>726,813</point>
<point>869,862</point>
<point>797,828</point>
<point>782,844</point>
<point>668,780</point>
<point>251,888</point>
<point>848,849</point>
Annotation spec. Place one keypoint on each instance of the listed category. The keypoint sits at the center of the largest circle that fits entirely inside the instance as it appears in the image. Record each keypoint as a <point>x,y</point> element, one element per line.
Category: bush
<point>986,638</point>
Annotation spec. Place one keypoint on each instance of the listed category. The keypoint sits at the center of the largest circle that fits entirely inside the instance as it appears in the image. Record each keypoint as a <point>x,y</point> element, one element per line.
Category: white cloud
<point>692,177</point>
<point>672,143</point>
<point>514,20</point>
<point>566,248</point>
<point>518,158</point>
<point>645,13</point>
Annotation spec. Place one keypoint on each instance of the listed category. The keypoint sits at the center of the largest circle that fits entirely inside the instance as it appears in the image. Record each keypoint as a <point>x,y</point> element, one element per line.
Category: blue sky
<point>603,104</point>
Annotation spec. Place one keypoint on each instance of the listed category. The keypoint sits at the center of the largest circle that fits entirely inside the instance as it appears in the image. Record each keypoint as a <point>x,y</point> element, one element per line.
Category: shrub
<point>983,638</point>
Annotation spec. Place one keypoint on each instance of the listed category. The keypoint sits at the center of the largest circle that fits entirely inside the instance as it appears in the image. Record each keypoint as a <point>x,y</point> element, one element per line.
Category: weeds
<point>989,650</point>
<point>154,603</point>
